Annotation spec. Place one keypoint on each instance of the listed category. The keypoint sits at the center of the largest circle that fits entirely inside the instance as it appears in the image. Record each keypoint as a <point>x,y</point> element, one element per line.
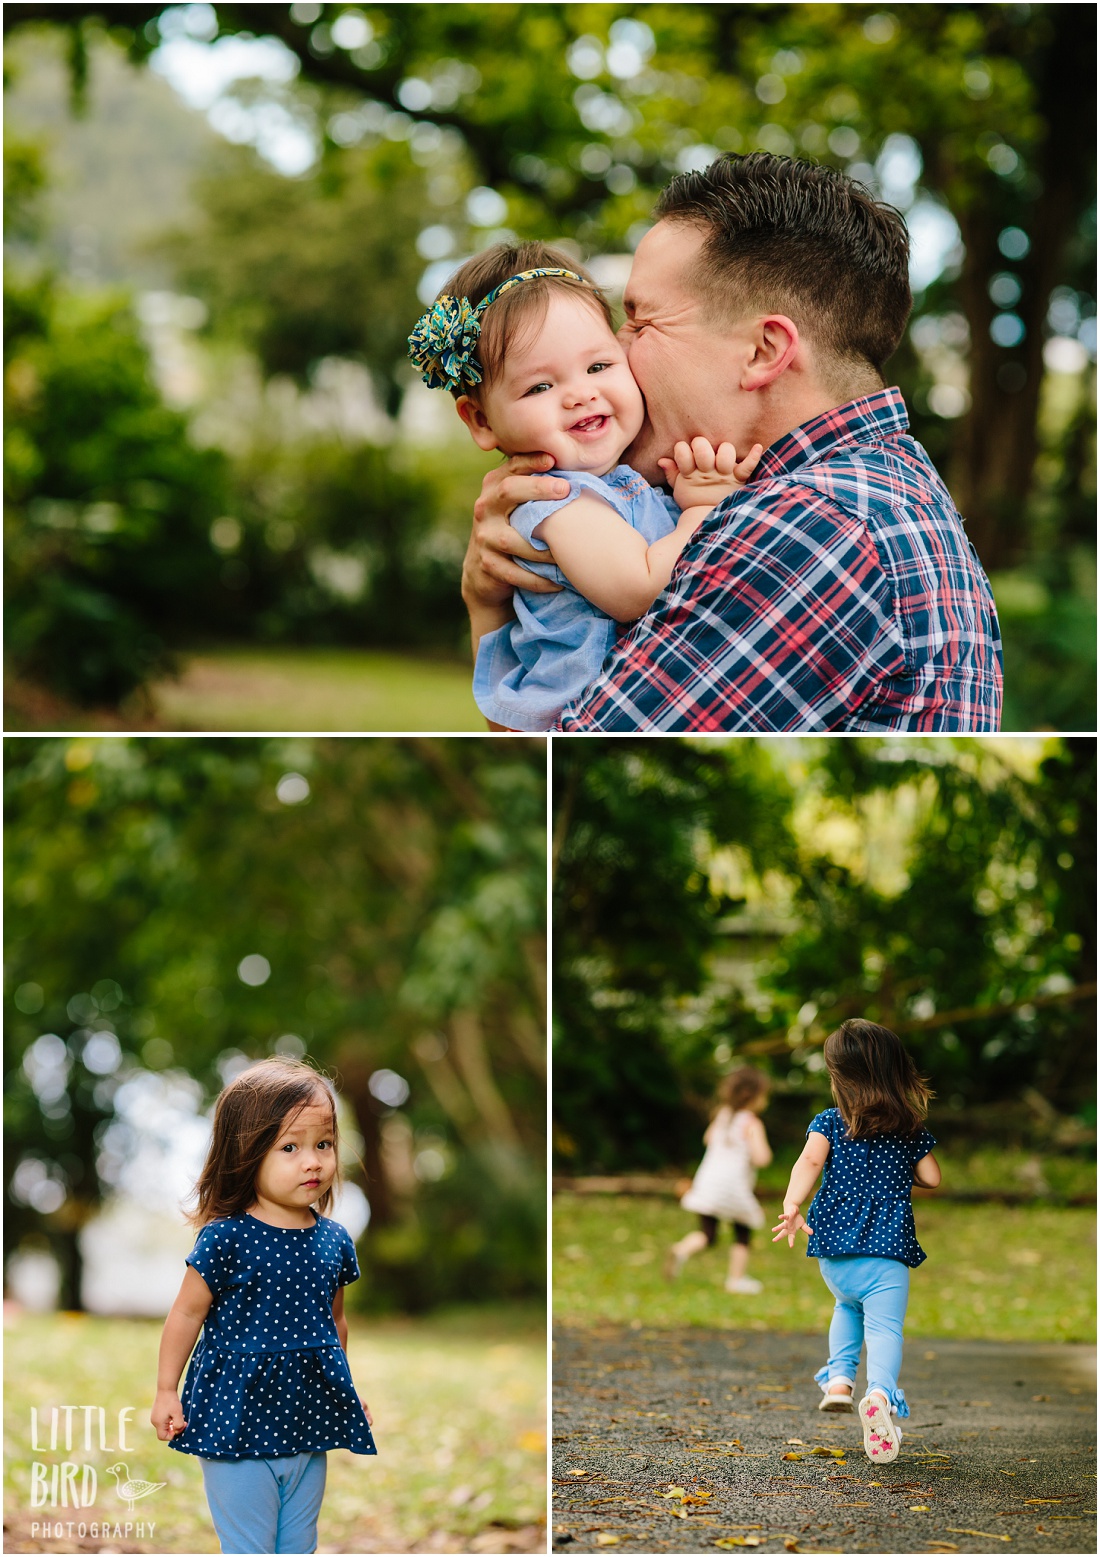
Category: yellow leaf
<point>790,1544</point>
<point>576,1473</point>
<point>728,1542</point>
<point>603,1539</point>
<point>674,1492</point>
<point>874,1483</point>
<point>985,1534</point>
<point>919,1508</point>
<point>795,1440</point>
<point>792,1456</point>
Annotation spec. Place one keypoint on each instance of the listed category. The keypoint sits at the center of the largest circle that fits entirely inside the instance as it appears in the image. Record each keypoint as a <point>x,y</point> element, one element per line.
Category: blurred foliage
<point>438,128</point>
<point>399,903</point>
<point>108,504</point>
<point>305,268</point>
<point>668,852</point>
<point>339,541</point>
<point>1020,1273</point>
<point>458,1401</point>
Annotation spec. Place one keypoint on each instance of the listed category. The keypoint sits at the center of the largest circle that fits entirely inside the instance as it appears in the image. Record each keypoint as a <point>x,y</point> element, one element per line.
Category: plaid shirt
<point>836,591</point>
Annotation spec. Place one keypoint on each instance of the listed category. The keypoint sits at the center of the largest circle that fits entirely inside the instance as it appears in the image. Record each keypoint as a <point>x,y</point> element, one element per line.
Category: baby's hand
<point>167,1415</point>
<point>789,1224</point>
<point>702,476</point>
<point>366,1411</point>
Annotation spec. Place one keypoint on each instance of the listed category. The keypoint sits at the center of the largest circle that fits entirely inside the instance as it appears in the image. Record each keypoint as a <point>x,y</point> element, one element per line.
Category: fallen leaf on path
<point>797,1440</point>
<point>942,1546</point>
<point>794,1456</point>
<point>914,1508</point>
<point>576,1473</point>
<point>985,1534</point>
<point>790,1544</point>
<point>603,1539</point>
<point>674,1492</point>
<point>728,1542</point>
<point>827,1454</point>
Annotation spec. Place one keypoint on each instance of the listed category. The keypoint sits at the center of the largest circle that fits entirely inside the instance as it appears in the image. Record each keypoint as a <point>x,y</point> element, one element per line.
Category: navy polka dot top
<point>268,1376</point>
<point>864,1205</point>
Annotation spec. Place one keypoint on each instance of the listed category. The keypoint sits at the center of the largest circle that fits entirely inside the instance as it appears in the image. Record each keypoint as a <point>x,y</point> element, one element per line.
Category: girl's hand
<point>366,1411</point>
<point>701,475</point>
<point>167,1415</point>
<point>789,1224</point>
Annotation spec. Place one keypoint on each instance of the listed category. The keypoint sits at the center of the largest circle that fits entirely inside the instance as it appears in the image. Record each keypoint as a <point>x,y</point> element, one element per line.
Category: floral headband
<point>444,343</point>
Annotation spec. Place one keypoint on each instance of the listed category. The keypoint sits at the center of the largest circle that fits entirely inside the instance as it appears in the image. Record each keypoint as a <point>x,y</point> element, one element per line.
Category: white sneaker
<point>881,1437</point>
<point>674,1264</point>
<point>746,1286</point>
<point>843,1404</point>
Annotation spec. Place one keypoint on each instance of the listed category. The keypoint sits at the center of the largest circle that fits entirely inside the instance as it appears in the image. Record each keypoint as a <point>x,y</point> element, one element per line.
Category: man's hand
<point>702,476</point>
<point>167,1415</point>
<point>488,574</point>
<point>789,1224</point>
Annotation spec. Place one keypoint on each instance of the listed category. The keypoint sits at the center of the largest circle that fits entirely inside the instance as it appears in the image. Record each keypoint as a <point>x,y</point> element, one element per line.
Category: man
<point>837,590</point>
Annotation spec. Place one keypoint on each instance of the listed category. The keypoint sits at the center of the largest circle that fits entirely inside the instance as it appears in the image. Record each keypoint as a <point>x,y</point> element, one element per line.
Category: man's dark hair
<point>801,239</point>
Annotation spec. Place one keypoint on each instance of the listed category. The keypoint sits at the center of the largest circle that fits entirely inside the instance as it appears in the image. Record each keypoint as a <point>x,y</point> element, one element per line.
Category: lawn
<point>459,1418</point>
<point>1001,1273</point>
<point>316,689</point>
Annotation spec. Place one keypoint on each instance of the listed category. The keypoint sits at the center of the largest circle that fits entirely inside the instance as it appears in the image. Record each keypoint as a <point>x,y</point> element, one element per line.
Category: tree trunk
<point>994,462</point>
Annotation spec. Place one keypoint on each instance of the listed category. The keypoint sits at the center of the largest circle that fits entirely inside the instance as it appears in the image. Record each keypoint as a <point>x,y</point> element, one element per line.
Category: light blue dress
<point>528,670</point>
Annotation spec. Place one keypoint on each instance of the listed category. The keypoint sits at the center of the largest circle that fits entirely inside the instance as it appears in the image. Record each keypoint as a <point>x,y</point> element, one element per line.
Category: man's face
<point>685,363</point>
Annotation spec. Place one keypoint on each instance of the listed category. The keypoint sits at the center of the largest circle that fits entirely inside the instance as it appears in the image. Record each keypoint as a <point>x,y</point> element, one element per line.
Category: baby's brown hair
<point>248,1118</point>
<point>519,312</point>
<point>742,1087</point>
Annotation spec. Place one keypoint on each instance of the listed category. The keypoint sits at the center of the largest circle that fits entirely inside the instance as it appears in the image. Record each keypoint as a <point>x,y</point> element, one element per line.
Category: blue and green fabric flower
<point>444,344</point>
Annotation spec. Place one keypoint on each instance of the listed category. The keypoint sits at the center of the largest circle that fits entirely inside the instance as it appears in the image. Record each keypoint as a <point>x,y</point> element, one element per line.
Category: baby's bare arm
<point>181,1331</point>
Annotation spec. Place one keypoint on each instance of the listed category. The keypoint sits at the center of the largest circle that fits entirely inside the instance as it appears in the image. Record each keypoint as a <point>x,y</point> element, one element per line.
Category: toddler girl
<point>523,339</point>
<point>268,1391</point>
<point>722,1188</point>
<point>872,1150</point>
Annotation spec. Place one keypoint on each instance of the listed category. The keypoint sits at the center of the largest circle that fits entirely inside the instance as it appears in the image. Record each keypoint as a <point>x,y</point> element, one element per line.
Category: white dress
<point>723,1185</point>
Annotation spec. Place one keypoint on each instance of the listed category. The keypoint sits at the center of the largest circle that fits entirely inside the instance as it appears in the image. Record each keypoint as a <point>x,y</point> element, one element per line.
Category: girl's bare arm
<point>342,1332</point>
<point>927,1173</point>
<point>181,1331</point>
<point>760,1152</point>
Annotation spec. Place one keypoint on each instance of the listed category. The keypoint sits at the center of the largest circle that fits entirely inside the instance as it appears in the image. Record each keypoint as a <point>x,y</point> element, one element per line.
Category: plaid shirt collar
<point>866,420</point>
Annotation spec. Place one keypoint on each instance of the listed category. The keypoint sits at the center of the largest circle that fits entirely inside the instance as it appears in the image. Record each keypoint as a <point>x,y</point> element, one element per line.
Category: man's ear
<point>775,346</point>
<point>478,423</point>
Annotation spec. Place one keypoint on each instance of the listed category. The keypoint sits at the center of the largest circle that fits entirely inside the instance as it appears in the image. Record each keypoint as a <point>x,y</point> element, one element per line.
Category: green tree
<point>108,503</point>
<point>981,952</point>
<point>396,892</point>
<point>634,915</point>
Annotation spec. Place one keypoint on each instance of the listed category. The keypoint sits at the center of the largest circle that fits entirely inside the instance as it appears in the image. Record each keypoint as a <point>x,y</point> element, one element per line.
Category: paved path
<point>1001,1441</point>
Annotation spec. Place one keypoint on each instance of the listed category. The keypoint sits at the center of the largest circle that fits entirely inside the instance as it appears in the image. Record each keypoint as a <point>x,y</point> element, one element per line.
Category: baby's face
<point>302,1163</point>
<point>567,392</point>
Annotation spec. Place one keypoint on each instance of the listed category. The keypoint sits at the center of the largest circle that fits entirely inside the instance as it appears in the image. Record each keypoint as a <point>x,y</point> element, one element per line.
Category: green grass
<point>993,1272</point>
<point>317,689</point>
<point>459,1418</point>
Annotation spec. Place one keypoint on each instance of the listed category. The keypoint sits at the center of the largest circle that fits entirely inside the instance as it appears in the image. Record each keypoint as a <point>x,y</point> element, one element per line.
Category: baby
<point>523,339</point>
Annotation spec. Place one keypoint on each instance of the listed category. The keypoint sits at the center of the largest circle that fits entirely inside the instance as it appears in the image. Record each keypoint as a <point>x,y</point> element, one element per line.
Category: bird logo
<point>130,1490</point>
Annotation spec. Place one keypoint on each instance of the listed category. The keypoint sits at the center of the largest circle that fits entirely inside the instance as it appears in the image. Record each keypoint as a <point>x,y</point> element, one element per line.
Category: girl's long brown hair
<point>741,1086</point>
<point>876,1085</point>
<point>248,1118</point>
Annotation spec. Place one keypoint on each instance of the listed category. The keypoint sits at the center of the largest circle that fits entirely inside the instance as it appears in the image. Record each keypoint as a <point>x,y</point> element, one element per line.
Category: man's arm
<point>489,574</point>
<point>780,616</point>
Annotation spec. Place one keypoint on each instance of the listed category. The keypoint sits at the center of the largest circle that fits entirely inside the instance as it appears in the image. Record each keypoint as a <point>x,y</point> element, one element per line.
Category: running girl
<point>870,1150</point>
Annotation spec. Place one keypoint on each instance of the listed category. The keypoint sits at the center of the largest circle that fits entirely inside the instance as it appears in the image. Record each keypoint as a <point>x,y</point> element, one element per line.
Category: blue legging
<point>266,1505</point>
<point>871,1297</point>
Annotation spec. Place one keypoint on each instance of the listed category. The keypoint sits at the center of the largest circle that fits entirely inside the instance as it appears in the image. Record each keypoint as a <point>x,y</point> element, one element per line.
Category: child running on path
<point>523,339</point>
<point>870,1150</point>
<point>722,1189</point>
<point>268,1392</point>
